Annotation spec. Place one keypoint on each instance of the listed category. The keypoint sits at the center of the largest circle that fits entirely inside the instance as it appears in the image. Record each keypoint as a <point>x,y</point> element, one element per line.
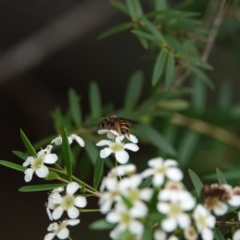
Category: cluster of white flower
<point>57,203</point>
<point>156,197</point>
<point>121,191</point>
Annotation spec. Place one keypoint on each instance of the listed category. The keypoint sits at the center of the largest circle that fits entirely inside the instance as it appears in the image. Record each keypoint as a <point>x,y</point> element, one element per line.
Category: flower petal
<point>50,158</point>
<point>57,212</point>
<point>169,224</point>
<point>73,212</point>
<point>78,139</point>
<point>103,143</point>
<point>49,236</point>
<point>73,222</point>
<point>105,152</point>
<point>131,146</point>
<point>72,188</point>
<point>57,140</point>
<point>28,175</point>
<point>42,172</point>
<point>132,138</point>
<point>63,233</point>
<point>174,174</point>
<point>28,161</point>
<point>122,156</point>
<point>80,201</point>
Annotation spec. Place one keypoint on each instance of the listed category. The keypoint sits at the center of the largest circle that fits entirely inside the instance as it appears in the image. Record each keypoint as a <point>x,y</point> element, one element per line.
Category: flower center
<point>125,218</point>
<point>37,163</point>
<point>115,147</point>
<point>162,170</point>
<point>202,222</point>
<point>133,195</point>
<point>175,210</point>
<point>68,201</point>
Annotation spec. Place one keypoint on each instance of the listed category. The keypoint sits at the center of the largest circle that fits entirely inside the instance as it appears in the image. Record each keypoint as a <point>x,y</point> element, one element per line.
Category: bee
<point>119,124</point>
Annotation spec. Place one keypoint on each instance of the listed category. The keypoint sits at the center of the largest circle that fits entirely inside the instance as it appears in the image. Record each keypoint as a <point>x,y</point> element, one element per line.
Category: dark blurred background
<point>46,47</point>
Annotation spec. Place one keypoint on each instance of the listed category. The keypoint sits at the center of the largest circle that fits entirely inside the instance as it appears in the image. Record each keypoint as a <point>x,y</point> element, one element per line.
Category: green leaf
<point>75,107</point>
<point>21,155</point>
<point>98,170</point>
<point>51,176</point>
<point>101,224</point>
<point>145,35</point>
<point>170,65</point>
<point>218,235</point>
<point>160,5</point>
<point>12,165</point>
<point>57,119</point>
<point>152,28</point>
<point>220,176</point>
<point>147,233</point>
<point>120,6</point>
<point>153,136</point>
<point>134,90</point>
<point>95,101</point>
<point>173,104</point>
<point>200,74</point>
<point>196,61</point>
<point>41,187</point>
<point>116,29</point>
<point>199,95</point>
<point>198,185</point>
<point>225,95</point>
<point>187,146</point>
<point>27,144</point>
<point>92,150</point>
<point>134,8</point>
<point>67,154</point>
<point>146,183</point>
<point>159,65</point>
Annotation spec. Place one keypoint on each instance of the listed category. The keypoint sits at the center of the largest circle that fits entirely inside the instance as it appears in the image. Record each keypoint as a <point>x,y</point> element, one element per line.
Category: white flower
<point>37,163</point>
<point>60,230</point>
<point>160,168</point>
<point>160,235</point>
<point>236,235</point>
<point>204,222</point>
<point>79,140</point>
<point>125,220</point>
<point>51,205</point>
<point>118,148</point>
<point>59,203</point>
<point>112,134</point>
<point>235,197</point>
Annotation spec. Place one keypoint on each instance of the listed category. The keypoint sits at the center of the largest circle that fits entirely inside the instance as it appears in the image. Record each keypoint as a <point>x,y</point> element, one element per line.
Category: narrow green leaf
<point>134,8</point>
<point>218,235</point>
<point>145,35</point>
<point>134,90</point>
<point>173,104</point>
<point>21,155</point>
<point>159,65</point>
<point>152,28</point>
<point>12,165</point>
<point>225,95</point>
<point>187,146</point>
<point>41,187</point>
<point>98,170</point>
<point>120,6</point>
<point>51,176</point>
<point>101,224</point>
<point>147,233</point>
<point>153,136</point>
<point>27,144</point>
<point>146,183</point>
<point>198,185</point>
<point>95,101</point>
<point>199,95</point>
<point>91,150</point>
<point>114,30</point>
<point>200,74</point>
<point>160,5</point>
<point>220,176</point>
<point>196,61</point>
<point>57,119</point>
<point>170,66</point>
<point>67,154</point>
<point>75,107</point>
